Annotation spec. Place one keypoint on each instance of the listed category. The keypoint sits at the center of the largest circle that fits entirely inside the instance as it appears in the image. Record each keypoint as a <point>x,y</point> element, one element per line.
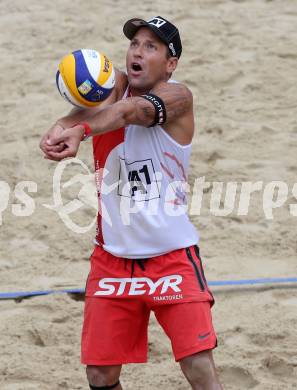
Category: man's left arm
<point>178,104</point>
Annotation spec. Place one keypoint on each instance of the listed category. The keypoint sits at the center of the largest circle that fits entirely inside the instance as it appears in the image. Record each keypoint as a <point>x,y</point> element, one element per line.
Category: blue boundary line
<point>241,282</point>
<point>25,294</point>
<point>247,282</point>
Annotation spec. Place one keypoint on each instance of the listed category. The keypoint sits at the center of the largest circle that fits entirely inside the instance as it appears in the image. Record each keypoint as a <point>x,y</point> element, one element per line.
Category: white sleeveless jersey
<point>141,178</point>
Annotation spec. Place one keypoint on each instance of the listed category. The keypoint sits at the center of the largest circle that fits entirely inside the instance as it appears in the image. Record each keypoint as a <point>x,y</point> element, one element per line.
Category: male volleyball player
<point>146,258</point>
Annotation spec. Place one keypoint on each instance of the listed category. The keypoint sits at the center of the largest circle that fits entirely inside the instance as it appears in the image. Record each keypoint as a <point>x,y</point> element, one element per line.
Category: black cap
<point>165,30</point>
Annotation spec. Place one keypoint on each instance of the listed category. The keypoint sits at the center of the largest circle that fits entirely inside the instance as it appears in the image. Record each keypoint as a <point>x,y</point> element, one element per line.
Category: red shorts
<point>120,293</point>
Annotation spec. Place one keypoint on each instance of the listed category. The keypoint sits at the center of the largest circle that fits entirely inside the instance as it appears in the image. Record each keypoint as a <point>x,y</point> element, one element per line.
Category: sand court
<point>239,60</point>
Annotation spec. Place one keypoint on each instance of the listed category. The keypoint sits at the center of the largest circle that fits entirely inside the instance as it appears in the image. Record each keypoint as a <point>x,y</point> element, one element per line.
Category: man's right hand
<point>45,144</point>
<point>59,143</point>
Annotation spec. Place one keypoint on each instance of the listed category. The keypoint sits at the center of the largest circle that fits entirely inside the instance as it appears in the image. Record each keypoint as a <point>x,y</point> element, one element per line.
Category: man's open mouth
<point>136,67</point>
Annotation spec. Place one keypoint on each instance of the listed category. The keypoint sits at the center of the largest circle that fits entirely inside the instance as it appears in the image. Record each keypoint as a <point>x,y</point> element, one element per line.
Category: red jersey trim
<point>103,144</point>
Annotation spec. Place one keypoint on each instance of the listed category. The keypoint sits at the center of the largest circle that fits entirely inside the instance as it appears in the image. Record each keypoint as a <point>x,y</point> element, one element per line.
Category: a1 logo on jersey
<point>138,180</point>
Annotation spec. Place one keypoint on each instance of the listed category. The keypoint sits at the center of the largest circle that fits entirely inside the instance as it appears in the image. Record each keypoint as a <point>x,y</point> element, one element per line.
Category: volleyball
<point>85,78</point>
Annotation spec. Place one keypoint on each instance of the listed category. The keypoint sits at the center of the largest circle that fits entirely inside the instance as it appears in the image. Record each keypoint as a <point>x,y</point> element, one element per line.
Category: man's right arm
<point>83,114</point>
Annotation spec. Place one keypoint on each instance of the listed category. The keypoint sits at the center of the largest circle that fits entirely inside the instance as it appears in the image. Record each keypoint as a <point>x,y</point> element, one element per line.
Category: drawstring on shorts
<point>140,262</point>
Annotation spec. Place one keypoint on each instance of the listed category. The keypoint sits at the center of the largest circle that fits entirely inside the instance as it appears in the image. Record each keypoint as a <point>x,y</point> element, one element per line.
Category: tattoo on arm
<point>178,100</point>
<point>145,111</point>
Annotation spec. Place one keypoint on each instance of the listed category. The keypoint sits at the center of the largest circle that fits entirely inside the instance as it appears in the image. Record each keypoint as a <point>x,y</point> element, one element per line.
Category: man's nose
<point>138,52</point>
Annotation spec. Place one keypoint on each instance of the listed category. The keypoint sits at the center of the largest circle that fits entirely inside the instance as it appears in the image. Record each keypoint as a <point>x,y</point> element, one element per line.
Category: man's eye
<point>150,46</point>
<point>133,43</point>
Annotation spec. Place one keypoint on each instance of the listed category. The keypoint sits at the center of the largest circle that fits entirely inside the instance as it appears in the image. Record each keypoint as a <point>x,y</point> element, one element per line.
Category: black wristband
<point>160,110</point>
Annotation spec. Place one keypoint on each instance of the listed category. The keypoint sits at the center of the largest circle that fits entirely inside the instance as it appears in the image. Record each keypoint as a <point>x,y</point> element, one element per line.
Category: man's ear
<point>172,64</point>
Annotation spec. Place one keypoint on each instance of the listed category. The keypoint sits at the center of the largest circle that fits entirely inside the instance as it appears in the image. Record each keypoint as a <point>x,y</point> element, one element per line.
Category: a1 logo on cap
<point>157,22</point>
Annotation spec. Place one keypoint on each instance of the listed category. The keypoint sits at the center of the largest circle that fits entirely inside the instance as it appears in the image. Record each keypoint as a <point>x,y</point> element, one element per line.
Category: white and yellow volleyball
<point>85,78</point>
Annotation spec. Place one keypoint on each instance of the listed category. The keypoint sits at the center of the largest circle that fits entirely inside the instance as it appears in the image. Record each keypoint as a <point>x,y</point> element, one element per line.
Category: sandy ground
<point>240,62</point>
